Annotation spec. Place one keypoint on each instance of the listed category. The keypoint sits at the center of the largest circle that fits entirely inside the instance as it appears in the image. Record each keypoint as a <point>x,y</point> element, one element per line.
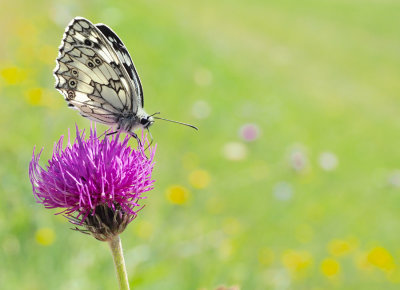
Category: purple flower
<point>96,183</point>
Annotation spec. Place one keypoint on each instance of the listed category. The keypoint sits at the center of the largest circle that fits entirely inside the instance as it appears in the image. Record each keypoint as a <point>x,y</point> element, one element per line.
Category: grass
<point>315,76</point>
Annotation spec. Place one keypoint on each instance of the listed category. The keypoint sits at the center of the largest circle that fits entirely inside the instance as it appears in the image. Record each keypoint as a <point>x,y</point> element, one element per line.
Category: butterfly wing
<point>91,76</point>
<point>125,58</point>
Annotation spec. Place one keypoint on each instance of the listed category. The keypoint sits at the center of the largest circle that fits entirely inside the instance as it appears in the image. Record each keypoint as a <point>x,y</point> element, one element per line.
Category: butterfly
<point>97,77</point>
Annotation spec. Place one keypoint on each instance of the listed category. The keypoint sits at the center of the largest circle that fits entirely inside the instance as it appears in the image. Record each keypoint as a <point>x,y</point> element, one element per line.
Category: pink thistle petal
<point>92,172</point>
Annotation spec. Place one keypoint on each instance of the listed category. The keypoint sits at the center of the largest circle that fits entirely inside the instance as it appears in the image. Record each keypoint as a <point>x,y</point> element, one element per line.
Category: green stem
<point>119,262</point>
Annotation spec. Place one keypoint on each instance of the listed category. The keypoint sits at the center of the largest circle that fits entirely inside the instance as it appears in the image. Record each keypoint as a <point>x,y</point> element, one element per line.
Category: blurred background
<point>292,181</point>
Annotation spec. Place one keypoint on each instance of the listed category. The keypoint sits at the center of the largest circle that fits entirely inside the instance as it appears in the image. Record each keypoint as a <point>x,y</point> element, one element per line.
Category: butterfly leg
<point>134,135</point>
<point>107,133</point>
<point>151,142</point>
<point>111,133</point>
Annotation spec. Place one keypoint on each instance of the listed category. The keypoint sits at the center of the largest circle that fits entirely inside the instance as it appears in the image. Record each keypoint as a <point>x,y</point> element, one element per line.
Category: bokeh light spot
<point>330,267</point>
<point>266,257</point>
<point>177,194</point>
<point>235,151</point>
<point>339,247</point>
<point>199,179</point>
<point>13,75</point>
<point>202,77</point>
<point>394,179</point>
<point>361,261</point>
<point>34,96</point>
<point>225,249</point>
<point>328,161</point>
<point>296,261</point>
<point>277,278</point>
<point>201,109</point>
<point>249,132</point>
<point>298,160</point>
<point>381,258</point>
<point>283,191</point>
<point>45,236</point>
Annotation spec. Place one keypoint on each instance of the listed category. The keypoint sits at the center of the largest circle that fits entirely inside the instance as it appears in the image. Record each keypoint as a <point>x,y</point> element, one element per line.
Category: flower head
<point>96,183</point>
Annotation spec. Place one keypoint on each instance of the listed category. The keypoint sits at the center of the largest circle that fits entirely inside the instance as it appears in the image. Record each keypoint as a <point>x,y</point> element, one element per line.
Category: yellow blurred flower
<point>199,179</point>
<point>34,96</point>
<point>340,247</point>
<point>381,258</point>
<point>13,75</point>
<point>45,236</point>
<point>361,261</point>
<point>296,261</point>
<point>266,257</point>
<point>37,96</point>
<point>177,194</point>
<point>330,267</point>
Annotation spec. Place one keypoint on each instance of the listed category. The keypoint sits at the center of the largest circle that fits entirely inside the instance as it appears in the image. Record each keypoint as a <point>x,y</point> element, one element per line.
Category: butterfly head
<point>146,121</point>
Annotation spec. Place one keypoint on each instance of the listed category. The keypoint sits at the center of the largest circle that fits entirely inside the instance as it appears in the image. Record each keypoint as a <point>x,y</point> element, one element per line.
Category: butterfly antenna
<point>191,126</point>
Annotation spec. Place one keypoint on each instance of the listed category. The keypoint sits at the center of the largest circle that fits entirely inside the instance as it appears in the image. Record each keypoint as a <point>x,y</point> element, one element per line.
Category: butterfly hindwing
<point>91,76</point>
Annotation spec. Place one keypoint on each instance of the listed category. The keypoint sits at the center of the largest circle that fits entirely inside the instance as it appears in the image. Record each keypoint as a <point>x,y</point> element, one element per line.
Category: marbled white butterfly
<point>97,77</point>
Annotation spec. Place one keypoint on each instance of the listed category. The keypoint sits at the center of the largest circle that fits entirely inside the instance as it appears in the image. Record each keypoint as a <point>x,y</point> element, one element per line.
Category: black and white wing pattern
<point>124,56</point>
<point>94,77</point>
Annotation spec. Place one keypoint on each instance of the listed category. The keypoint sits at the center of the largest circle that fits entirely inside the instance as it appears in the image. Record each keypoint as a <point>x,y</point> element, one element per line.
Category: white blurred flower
<point>283,191</point>
<point>298,160</point>
<point>328,161</point>
<point>201,109</point>
<point>235,151</point>
<point>394,178</point>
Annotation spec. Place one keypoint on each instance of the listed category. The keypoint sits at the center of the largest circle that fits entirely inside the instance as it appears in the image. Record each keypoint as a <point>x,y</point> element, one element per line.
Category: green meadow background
<point>311,200</point>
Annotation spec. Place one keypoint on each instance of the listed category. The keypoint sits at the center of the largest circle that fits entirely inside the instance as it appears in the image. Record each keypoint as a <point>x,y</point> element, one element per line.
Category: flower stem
<point>119,262</point>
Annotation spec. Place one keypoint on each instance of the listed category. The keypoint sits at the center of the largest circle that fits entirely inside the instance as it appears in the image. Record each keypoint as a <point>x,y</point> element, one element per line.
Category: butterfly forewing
<point>93,77</point>
<point>125,58</point>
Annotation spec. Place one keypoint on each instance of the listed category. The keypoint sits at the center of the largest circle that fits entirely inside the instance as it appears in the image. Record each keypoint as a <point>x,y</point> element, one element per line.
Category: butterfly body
<point>97,77</point>
<point>131,122</point>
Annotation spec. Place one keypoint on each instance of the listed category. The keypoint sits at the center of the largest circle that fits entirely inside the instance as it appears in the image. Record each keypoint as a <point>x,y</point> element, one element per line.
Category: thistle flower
<point>96,183</point>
